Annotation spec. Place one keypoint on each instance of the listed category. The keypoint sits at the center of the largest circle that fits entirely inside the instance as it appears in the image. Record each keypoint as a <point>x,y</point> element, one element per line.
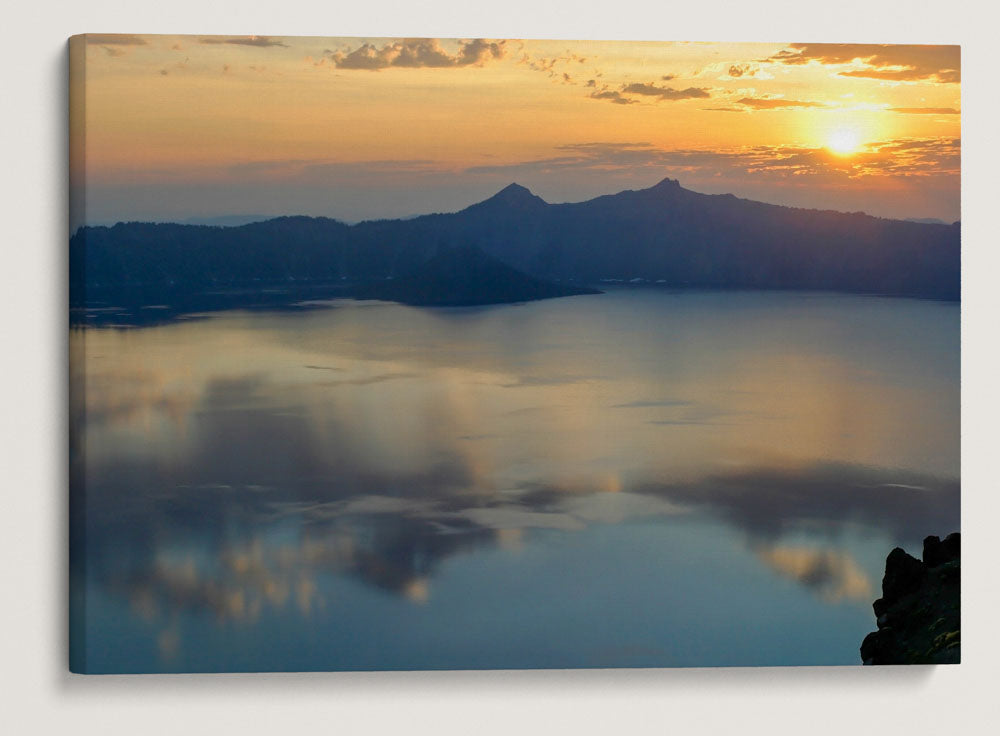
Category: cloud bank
<point>415,53</point>
<point>258,41</point>
<point>895,63</point>
<point>665,93</point>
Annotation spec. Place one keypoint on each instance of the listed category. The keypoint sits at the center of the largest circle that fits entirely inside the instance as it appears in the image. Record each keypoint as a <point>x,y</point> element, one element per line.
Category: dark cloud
<point>776,103</point>
<point>619,97</point>
<point>612,96</point>
<point>548,63</point>
<point>926,110</point>
<point>744,70</point>
<point>417,53</point>
<point>665,93</point>
<point>479,51</point>
<point>891,62</point>
<point>668,77</point>
<point>540,64</point>
<point>114,39</point>
<point>258,41</point>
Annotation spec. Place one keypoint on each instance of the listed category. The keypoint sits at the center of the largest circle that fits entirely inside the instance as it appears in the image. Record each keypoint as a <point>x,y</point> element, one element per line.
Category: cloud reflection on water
<point>230,488</point>
<point>833,575</point>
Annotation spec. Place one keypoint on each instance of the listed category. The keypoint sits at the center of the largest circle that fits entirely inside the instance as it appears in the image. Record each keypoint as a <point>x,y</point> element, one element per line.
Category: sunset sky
<point>174,127</point>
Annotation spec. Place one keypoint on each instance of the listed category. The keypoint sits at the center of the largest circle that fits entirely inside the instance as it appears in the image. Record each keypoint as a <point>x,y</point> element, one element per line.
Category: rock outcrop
<point>919,613</point>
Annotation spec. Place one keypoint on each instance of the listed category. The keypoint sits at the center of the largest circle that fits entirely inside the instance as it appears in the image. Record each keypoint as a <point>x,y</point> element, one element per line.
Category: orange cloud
<point>611,95</point>
<point>665,93</point>
<point>926,110</point>
<point>774,103</point>
<point>417,53</point>
<point>258,41</point>
<point>900,63</point>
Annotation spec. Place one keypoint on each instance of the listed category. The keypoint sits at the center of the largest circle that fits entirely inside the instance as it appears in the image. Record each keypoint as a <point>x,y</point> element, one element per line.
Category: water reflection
<point>764,502</point>
<point>243,469</point>
<point>832,574</point>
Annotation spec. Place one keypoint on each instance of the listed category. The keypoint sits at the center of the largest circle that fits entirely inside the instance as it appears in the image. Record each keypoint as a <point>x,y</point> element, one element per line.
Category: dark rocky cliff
<point>919,613</point>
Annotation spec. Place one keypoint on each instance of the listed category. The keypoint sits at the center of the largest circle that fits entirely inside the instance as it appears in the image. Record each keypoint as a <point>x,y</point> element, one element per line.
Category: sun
<point>843,141</point>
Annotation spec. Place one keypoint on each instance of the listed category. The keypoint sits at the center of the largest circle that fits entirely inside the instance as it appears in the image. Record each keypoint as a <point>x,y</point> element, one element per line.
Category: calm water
<point>640,478</point>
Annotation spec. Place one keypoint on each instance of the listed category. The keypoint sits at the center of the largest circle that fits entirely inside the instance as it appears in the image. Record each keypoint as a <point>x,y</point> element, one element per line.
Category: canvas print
<point>413,354</point>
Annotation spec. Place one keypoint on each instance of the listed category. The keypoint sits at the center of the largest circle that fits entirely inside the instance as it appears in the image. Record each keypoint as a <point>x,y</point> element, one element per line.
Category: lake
<point>640,478</point>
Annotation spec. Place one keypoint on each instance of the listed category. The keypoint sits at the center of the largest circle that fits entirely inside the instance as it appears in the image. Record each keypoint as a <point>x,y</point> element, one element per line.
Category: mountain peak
<point>667,184</point>
<point>514,195</point>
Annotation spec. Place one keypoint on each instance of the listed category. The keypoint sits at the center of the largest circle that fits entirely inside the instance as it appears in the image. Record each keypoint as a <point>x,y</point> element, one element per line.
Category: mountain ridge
<point>465,276</point>
<point>512,195</point>
<point>665,184</point>
<point>664,233</point>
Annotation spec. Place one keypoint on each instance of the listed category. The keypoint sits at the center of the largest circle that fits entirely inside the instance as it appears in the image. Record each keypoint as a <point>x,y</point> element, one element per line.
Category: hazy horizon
<point>181,127</point>
<point>231,219</point>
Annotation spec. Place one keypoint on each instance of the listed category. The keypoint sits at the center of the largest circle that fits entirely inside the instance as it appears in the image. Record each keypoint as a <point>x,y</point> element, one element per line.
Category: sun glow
<point>844,141</point>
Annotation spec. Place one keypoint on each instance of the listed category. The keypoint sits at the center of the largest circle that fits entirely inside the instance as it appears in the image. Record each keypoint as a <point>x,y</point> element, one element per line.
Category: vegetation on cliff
<point>919,613</point>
